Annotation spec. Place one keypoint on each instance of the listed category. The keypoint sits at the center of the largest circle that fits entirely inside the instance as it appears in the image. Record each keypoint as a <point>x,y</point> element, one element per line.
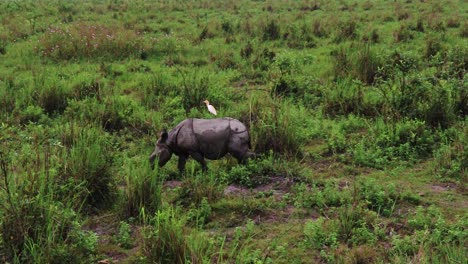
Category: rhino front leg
<point>181,163</point>
<point>152,158</point>
<point>198,157</point>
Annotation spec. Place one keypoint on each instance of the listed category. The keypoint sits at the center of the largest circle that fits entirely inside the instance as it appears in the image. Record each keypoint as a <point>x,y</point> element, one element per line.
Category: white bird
<point>210,107</point>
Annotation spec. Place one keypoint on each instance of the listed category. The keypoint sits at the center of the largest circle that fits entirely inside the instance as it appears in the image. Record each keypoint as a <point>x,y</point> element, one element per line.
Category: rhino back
<point>212,136</point>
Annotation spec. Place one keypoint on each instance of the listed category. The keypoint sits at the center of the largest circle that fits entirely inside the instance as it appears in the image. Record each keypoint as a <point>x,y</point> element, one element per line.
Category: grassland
<point>357,109</point>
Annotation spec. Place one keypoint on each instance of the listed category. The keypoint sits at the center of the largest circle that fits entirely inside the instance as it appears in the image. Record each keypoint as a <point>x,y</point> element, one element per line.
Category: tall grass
<point>168,240</point>
<point>37,226</point>
<point>277,126</point>
<point>88,163</point>
<point>143,188</point>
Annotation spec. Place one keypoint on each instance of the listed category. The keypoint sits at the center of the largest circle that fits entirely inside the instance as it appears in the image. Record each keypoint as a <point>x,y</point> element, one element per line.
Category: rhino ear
<point>163,136</point>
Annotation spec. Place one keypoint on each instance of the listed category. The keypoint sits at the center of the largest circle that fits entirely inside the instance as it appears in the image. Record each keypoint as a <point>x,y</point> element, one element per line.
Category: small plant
<point>321,233</point>
<point>200,215</point>
<point>124,235</point>
<point>336,141</point>
<point>379,199</point>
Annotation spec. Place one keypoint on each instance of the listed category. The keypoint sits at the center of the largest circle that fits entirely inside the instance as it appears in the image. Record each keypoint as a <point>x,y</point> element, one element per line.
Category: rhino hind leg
<point>198,157</point>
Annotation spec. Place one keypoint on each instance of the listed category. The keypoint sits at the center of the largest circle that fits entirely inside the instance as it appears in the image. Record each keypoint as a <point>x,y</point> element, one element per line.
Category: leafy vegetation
<point>357,111</point>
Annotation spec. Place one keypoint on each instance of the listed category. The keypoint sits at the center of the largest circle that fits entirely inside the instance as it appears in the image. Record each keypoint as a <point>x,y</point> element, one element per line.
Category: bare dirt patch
<point>443,187</point>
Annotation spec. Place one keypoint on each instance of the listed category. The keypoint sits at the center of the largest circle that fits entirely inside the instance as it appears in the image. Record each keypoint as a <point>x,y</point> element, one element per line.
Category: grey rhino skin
<point>203,138</point>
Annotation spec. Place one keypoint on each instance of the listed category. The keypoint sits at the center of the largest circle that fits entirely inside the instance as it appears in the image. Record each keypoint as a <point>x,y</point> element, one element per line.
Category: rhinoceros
<point>203,138</point>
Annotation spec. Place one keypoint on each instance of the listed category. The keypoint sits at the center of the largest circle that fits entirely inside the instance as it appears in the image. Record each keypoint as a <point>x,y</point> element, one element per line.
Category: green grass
<point>357,109</point>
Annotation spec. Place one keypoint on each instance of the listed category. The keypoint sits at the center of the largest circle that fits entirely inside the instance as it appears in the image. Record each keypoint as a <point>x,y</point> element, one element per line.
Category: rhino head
<point>161,151</point>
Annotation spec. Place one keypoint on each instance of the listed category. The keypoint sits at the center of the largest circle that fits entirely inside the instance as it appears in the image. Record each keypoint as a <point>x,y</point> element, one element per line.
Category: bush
<point>421,99</point>
<point>299,37</point>
<point>254,173</point>
<point>52,97</point>
<point>32,114</point>
<point>386,143</point>
<point>114,114</point>
<point>83,40</point>
<point>377,197</point>
<point>323,197</point>
<point>464,30</point>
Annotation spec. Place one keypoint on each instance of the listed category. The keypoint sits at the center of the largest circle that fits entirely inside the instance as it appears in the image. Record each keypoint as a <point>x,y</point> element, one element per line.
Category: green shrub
<point>299,37</point>
<point>52,97</point>
<point>254,173</point>
<point>381,199</point>
<point>336,141</point>
<point>321,233</point>
<point>452,64</point>
<point>200,215</point>
<point>32,114</point>
<point>322,197</point>
<point>387,143</point>
<point>464,30</point>
<point>112,114</point>
<point>355,225</point>
<point>124,235</point>
<point>194,90</point>
<point>247,50</point>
